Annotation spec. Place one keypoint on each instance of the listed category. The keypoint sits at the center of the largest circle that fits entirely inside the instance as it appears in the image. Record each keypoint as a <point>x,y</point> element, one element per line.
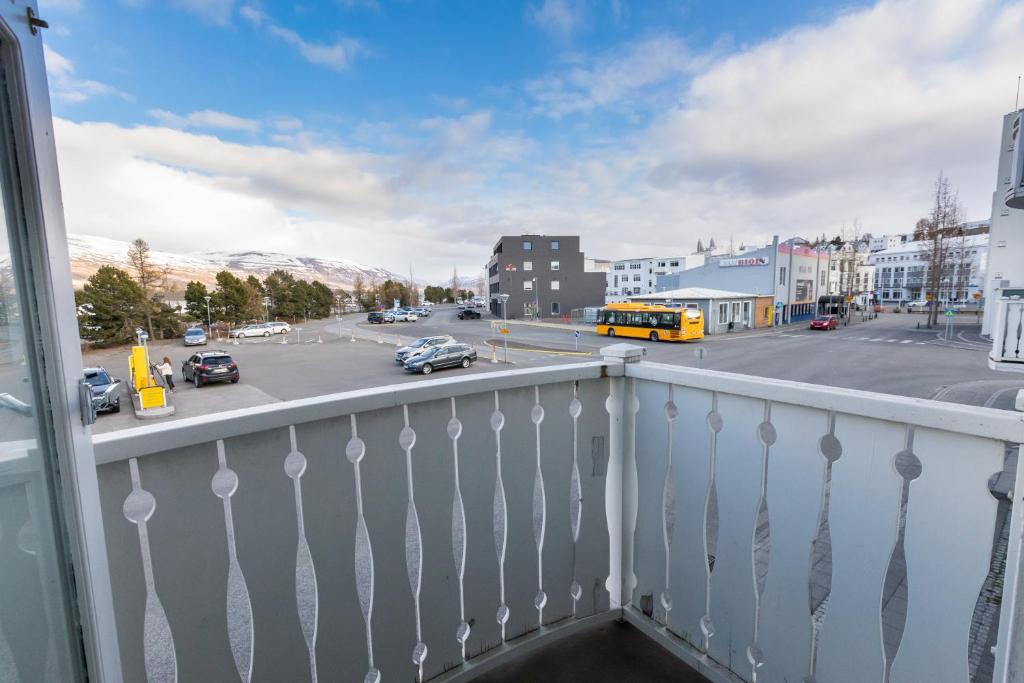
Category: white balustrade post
<point>621,479</point>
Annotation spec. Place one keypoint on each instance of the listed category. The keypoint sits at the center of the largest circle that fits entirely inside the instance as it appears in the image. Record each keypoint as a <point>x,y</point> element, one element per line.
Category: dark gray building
<point>543,275</point>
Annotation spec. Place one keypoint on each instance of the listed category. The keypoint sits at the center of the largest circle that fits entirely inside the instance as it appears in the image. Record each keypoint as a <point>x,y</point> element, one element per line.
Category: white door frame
<point>56,357</point>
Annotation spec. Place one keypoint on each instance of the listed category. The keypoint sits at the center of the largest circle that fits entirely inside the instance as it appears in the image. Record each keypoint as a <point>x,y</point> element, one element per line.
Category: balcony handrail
<point>976,421</point>
<point>146,440</point>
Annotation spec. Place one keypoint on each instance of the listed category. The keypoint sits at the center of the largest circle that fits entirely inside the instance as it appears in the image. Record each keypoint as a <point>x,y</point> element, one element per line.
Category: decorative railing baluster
<point>668,502</point>
<point>500,512</point>
<point>575,494</point>
<point>458,530</point>
<point>413,542</point>
<point>241,634</point>
<point>306,597</point>
<point>161,661</point>
<point>355,451</point>
<point>539,509</point>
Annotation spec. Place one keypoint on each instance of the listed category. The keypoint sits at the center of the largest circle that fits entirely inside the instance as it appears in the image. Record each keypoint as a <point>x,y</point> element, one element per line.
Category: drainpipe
<point>621,487</point>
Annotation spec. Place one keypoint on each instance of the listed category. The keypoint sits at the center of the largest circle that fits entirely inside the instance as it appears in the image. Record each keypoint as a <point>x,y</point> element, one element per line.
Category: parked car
<point>106,391</point>
<point>209,366</point>
<point>195,336</point>
<point>245,331</point>
<point>469,314</point>
<point>375,317</point>
<point>278,327</point>
<point>421,345</point>
<point>825,322</point>
<point>451,356</point>
<point>920,303</point>
<point>422,312</point>
<point>405,316</point>
<point>389,316</point>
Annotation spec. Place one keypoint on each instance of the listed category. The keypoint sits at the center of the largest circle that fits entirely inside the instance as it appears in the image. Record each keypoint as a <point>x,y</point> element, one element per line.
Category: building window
<point>556,308</point>
<point>554,265</point>
<point>619,266</point>
<point>673,264</point>
<point>636,278</point>
<point>554,285</point>
<point>527,285</point>
<point>661,264</point>
<point>636,290</point>
<point>555,247</point>
<point>527,265</point>
<point>723,313</point>
<point>527,245</point>
<point>782,275</point>
<point>616,280</point>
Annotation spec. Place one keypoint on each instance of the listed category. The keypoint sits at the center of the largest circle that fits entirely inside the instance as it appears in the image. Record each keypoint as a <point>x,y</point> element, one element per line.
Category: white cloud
<point>793,135</point>
<point>624,76</point>
<point>66,87</point>
<point>558,17</point>
<point>288,123</point>
<point>207,118</point>
<point>338,55</point>
<point>211,11</point>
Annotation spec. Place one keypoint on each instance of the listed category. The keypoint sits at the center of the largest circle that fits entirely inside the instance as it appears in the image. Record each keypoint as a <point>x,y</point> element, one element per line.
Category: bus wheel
<point>611,331</point>
<point>653,336</point>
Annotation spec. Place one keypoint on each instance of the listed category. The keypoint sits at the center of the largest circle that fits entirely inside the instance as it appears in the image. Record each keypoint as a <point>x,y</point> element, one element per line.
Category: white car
<point>405,316</point>
<point>920,303</point>
<point>278,327</point>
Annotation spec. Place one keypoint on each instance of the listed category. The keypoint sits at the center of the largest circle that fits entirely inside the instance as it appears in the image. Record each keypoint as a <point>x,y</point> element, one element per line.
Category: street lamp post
<point>503,298</point>
<point>209,318</point>
<point>266,308</point>
<point>536,298</point>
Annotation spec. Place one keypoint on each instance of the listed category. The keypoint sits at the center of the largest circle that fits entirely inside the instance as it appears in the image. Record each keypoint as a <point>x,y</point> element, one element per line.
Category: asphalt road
<point>888,354</point>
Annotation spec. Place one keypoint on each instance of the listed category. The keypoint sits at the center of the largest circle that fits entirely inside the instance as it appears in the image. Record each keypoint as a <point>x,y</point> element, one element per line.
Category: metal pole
<point>504,315</point>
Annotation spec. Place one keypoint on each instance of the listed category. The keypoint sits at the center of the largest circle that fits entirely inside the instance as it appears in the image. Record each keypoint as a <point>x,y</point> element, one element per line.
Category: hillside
<point>89,252</point>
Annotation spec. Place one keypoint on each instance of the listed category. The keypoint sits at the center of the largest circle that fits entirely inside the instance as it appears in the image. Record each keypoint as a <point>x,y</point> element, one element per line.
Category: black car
<point>469,314</point>
<point>106,391</point>
<point>209,366</point>
<point>375,317</point>
<point>451,356</point>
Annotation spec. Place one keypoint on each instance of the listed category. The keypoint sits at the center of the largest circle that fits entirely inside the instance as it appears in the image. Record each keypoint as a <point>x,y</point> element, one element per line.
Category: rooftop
<point>692,293</point>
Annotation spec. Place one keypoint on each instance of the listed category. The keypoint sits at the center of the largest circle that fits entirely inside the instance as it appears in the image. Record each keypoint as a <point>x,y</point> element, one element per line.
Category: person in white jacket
<point>167,371</point>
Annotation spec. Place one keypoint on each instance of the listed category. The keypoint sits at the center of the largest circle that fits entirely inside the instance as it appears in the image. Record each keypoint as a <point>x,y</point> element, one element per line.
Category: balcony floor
<point>613,651</point>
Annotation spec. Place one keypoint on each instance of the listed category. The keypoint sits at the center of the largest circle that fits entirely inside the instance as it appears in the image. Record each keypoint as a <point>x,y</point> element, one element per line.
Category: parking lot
<point>889,354</point>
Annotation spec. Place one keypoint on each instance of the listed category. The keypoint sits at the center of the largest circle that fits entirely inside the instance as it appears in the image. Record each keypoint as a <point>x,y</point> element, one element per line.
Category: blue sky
<point>418,131</point>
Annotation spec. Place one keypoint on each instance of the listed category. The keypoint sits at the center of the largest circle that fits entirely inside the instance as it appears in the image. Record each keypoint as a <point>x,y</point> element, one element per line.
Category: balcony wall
<point>745,524</point>
<point>339,533</point>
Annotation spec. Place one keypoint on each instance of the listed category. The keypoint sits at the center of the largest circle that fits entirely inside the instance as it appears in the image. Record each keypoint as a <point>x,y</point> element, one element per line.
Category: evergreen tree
<point>149,277</point>
<point>195,301</point>
<point>321,299</point>
<point>111,305</point>
<point>231,298</point>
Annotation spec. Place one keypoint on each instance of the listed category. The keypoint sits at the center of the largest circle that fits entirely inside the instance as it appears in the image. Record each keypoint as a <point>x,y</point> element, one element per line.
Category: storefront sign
<point>749,261</point>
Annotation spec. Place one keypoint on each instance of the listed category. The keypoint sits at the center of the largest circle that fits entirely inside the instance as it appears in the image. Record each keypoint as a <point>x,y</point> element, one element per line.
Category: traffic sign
<point>503,330</point>
<point>577,334</point>
<point>976,296</point>
<point>928,297</point>
<point>949,313</point>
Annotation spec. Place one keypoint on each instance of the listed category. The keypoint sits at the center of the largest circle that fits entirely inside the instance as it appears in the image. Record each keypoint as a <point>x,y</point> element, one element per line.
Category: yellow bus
<point>654,322</point>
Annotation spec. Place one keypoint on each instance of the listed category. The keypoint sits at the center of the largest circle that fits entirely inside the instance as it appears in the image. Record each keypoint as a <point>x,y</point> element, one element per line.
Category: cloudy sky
<point>417,131</point>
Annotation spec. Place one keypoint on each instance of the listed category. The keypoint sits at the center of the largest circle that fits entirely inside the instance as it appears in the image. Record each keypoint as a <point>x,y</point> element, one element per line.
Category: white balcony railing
<point>435,528</point>
<point>1007,335</point>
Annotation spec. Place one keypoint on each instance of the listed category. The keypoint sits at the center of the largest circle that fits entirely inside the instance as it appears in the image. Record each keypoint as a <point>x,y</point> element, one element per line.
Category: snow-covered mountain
<point>89,252</point>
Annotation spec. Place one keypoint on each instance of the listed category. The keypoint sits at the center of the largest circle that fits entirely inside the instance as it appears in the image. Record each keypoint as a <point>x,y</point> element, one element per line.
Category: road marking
<point>906,341</point>
<point>920,343</point>
<point>892,340</point>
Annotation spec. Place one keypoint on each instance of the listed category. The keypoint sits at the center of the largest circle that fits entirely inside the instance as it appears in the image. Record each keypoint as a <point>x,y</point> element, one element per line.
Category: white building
<point>1005,275</point>
<point>901,274</point>
<point>635,277</point>
<point>886,242</point>
<point>850,271</point>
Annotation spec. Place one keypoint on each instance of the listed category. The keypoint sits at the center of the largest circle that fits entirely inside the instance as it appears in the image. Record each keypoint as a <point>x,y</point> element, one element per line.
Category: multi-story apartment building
<point>886,242</point>
<point>635,277</point>
<point>849,271</point>
<point>543,276</point>
<point>901,274</point>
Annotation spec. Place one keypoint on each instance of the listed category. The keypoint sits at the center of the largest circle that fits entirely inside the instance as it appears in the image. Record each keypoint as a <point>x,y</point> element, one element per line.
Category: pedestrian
<point>167,372</point>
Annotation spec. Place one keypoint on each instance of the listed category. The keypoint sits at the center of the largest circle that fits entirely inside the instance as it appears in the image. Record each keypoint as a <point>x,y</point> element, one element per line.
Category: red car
<point>825,322</point>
